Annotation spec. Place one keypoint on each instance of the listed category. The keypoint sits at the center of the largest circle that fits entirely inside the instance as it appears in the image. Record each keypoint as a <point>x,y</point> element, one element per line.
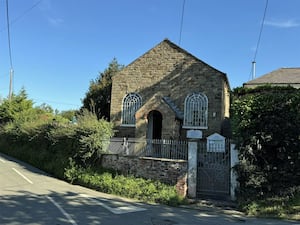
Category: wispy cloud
<point>282,23</point>
<point>55,21</point>
<point>48,12</point>
<point>45,5</point>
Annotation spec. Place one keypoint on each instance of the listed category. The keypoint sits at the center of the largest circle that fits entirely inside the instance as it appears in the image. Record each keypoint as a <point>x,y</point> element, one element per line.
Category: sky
<point>59,46</point>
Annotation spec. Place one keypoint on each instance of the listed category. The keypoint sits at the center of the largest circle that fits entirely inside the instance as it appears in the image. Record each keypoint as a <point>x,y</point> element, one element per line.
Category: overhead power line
<point>55,102</point>
<point>22,15</point>
<point>259,39</point>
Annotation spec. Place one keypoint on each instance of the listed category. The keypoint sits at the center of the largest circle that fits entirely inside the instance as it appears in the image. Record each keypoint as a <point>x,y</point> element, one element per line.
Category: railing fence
<point>158,148</point>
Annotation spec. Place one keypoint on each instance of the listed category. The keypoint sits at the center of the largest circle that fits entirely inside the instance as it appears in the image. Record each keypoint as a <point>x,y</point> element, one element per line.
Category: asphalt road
<point>29,196</point>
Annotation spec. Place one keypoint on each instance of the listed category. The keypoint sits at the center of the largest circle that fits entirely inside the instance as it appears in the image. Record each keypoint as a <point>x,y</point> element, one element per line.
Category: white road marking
<point>25,178</point>
<point>62,211</point>
<point>2,160</point>
<point>125,208</point>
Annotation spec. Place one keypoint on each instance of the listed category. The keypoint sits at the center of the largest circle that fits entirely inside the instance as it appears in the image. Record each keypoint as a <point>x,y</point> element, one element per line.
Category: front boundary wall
<point>168,171</point>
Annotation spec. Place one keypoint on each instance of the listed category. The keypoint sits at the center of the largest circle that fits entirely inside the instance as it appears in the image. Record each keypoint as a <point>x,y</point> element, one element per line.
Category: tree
<point>45,108</point>
<point>16,108</point>
<point>69,114</point>
<point>97,98</point>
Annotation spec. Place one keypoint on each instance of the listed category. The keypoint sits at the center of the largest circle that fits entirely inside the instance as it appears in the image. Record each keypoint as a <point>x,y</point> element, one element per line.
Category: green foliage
<point>266,125</point>
<point>132,187</point>
<point>17,108</point>
<point>93,136</point>
<point>69,114</point>
<point>97,98</point>
<point>49,143</point>
<point>45,108</point>
<point>284,207</point>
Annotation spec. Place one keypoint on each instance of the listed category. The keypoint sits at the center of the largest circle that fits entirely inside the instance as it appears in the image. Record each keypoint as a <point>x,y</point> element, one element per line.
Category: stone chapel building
<point>166,92</point>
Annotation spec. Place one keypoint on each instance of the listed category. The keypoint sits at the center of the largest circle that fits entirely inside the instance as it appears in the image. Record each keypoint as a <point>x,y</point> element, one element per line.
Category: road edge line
<point>24,177</point>
<point>67,215</point>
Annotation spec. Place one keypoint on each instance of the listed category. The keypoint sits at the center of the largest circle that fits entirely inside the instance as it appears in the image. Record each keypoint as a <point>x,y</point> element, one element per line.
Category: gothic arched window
<point>131,103</point>
<point>195,111</point>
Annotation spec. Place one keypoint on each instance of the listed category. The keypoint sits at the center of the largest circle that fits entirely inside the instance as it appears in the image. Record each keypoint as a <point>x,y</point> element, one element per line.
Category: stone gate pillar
<point>193,136</point>
<point>192,169</point>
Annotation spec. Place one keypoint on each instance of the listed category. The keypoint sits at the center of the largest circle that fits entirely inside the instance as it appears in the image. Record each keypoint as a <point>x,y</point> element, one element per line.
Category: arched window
<point>195,111</point>
<point>131,103</point>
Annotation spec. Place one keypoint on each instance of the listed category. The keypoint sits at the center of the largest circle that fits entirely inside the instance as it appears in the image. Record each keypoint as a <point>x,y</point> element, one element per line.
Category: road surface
<point>29,196</point>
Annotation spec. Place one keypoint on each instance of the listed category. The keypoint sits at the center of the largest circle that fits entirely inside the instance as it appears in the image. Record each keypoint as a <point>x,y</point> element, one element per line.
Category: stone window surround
<point>198,102</point>
<point>130,104</point>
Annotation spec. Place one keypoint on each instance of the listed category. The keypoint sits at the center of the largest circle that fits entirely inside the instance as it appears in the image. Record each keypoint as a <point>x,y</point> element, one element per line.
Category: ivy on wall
<point>266,126</point>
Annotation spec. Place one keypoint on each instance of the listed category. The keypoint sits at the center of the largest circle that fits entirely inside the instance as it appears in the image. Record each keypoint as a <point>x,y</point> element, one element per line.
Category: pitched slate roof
<point>174,107</point>
<point>282,76</point>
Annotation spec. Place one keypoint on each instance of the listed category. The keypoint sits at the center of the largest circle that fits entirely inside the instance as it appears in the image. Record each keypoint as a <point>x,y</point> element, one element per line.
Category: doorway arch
<point>154,125</point>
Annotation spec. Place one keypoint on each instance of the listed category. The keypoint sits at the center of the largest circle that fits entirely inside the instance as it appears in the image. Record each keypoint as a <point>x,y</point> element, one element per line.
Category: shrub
<point>94,136</point>
<point>48,145</point>
<point>266,125</point>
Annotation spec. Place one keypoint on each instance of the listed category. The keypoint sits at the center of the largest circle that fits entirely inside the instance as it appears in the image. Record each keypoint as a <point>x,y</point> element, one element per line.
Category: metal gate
<point>213,175</point>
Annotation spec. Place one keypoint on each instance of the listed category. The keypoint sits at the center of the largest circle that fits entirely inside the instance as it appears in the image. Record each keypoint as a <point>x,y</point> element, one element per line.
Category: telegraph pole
<point>11,77</point>
<point>11,73</point>
<point>253,70</point>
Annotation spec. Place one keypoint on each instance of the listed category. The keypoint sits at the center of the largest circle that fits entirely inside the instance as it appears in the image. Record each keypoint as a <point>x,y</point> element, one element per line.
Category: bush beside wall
<point>266,125</point>
<point>49,146</point>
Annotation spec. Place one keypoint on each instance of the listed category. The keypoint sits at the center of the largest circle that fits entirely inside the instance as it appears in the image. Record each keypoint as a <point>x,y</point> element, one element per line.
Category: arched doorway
<point>154,125</point>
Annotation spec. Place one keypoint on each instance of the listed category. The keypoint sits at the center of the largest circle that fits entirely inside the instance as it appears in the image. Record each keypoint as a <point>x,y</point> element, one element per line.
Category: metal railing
<point>170,149</point>
<point>157,148</point>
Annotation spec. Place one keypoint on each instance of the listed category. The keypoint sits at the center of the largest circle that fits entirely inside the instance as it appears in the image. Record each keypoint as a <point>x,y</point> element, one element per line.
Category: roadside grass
<point>287,207</point>
<point>103,180</point>
<point>126,186</point>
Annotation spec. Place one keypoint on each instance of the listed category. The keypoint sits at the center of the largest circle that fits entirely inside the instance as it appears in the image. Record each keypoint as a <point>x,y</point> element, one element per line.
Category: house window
<point>131,103</point>
<point>195,111</point>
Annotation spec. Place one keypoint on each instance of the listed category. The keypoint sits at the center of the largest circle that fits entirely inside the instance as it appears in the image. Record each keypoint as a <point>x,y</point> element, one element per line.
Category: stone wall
<point>169,71</point>
<point>172,172</point>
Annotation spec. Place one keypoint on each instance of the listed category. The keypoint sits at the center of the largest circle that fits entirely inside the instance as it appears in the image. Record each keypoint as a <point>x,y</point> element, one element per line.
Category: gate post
<point>193,135</point>
<point>192,169</point>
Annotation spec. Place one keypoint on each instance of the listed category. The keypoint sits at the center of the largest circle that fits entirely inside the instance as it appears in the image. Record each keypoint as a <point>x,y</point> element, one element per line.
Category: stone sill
<point>194,128</point>
<point>163,159</point>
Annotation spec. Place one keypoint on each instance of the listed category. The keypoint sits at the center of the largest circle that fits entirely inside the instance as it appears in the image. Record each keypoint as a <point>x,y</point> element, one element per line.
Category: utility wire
<point>261,29</point>
<point>55,102</point>
<point>258,41</point>
<point>181,22</point>
<point>22,15</point>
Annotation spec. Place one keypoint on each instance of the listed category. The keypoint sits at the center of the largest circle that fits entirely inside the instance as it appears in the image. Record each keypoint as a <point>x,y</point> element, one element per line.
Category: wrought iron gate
<point>213,175</point>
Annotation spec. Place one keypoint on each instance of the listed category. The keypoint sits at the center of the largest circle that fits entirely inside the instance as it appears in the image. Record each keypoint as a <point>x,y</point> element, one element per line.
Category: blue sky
<point>59,46</point>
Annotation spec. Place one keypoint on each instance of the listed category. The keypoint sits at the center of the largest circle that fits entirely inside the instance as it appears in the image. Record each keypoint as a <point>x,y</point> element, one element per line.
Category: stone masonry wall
<point>172,172</point>
<point>167,70</point>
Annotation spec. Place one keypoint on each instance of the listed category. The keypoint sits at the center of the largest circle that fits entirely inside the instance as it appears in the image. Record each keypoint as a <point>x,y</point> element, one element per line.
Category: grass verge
<point>287,207</point>
<point>112,183</point>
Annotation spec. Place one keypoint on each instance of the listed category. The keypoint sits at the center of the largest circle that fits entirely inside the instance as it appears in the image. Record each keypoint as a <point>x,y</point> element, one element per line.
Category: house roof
<point>280,76</point>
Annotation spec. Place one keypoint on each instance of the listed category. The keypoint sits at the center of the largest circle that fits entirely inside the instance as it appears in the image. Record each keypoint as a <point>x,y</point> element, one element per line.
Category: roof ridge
<point>173,106</point>
<point>289,68</point>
